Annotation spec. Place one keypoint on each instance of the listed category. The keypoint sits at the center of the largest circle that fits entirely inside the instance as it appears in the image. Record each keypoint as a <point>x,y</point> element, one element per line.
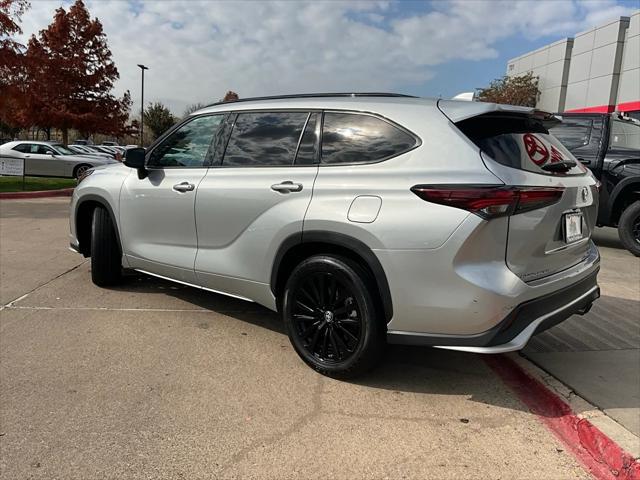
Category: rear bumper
<point>515,330</point>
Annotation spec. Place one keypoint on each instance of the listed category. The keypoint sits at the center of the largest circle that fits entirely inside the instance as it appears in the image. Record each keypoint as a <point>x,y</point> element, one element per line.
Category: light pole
<point>142,68</point>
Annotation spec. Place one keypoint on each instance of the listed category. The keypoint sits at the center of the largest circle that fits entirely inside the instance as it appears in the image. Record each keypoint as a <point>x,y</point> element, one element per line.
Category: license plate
<point>573,227</point>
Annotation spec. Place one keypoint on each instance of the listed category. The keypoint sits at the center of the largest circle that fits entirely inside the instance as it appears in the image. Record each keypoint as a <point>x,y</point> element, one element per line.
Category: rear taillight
<point>490,201</point>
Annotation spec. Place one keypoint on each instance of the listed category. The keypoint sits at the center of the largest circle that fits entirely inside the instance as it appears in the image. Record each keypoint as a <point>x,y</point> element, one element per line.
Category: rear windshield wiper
<point>562,166</point>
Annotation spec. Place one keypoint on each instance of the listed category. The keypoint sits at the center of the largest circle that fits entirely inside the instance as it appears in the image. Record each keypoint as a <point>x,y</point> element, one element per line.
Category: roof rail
<point>314,95</point>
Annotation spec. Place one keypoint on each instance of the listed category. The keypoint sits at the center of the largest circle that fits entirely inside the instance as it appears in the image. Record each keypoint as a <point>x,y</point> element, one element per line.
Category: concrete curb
<point>63,192</point>
<point>600,455</point>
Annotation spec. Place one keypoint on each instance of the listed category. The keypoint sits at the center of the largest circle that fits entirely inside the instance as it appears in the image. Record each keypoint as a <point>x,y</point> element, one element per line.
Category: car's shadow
<point>404,369</point>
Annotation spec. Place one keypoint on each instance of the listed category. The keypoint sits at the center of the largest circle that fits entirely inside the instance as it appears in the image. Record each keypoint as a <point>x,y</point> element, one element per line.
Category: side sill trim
<point>239,297</point>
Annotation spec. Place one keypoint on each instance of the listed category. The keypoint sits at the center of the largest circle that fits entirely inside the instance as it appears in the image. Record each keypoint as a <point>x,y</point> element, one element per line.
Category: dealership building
<point>595,71</point>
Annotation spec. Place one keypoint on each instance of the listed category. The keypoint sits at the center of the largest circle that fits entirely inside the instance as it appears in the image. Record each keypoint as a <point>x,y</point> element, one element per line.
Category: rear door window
<point>264,139</point>
<point>352,138</point>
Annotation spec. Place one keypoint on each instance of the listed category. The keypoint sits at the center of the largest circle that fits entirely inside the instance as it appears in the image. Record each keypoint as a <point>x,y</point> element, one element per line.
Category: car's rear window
<point>573,132</point>
<point>518,141</point>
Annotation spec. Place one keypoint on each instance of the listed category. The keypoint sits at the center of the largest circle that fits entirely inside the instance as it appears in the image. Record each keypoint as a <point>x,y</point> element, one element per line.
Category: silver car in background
<point>361,218</point>
<point>46,159</point>
<point>82,150</point>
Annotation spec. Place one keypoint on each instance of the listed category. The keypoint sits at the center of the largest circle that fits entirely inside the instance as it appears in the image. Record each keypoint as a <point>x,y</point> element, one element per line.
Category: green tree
<point>158,118</point>
<point>517,90</point>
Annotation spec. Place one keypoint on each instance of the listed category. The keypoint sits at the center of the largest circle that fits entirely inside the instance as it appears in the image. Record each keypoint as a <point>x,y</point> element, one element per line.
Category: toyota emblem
<point>585,194</point>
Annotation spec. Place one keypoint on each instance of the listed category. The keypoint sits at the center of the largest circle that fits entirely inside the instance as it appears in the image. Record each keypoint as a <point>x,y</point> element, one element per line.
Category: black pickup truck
<point>609,144</point>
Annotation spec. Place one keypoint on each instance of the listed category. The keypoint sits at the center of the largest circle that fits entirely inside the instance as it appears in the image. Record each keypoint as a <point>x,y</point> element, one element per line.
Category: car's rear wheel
<point>79,170</point>
<point>331,316</point>
<point>629,228</point>
<point>106,267</point>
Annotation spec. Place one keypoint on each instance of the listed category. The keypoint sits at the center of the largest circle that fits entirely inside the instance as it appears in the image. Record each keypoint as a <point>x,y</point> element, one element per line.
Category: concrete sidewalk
<point>598,355</point>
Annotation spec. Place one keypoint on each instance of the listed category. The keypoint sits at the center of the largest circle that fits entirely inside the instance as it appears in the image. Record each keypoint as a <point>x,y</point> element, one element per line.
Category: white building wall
<point>629,87</point>
<point>598,70</point>
<point>551,65</point>
<point>594,69</point>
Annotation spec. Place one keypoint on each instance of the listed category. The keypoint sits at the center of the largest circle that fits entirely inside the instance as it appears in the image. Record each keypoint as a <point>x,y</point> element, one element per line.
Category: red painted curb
<point>601,456</point>
<point>63,192</point>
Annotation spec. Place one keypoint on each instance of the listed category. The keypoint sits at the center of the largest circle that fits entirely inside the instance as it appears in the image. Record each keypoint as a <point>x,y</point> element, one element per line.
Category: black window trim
<point>219,163</point>
<point>416,138</point>
<point>169,132</point>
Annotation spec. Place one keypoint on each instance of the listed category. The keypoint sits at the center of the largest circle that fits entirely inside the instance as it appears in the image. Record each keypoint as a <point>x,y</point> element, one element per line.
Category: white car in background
<point>45,159</point>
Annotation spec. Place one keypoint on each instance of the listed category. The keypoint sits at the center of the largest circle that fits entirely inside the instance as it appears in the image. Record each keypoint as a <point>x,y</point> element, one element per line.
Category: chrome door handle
<point>184,187</point>
<point>287,187</point>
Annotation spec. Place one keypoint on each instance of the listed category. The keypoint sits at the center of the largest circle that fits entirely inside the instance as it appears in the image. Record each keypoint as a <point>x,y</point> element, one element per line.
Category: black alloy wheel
<point>326,317</point>
<point>629,228</point>
<point>331,316</point>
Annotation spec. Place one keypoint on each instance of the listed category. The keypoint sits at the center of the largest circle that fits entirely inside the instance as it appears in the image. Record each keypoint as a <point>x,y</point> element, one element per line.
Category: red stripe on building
<point>599,109</point>
<point>602,457</point>
<point>628,106</point>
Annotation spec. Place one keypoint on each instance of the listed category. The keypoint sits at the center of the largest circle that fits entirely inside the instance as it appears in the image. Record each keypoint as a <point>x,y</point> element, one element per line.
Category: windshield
<point>61,149</point>
<point>624,135</point>
<point>573,132</point>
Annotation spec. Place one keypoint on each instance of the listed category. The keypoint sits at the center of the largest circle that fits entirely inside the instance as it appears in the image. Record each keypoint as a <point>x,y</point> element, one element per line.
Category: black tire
<point>106,267</point>
<point>330,297</point>
<point>80,168</point>
<point>629,228</point>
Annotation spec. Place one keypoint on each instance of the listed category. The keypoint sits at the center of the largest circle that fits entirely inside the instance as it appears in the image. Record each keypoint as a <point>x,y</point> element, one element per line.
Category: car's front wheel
<point>331,316</point>
<point>629,228</point>
<point>106,267</point>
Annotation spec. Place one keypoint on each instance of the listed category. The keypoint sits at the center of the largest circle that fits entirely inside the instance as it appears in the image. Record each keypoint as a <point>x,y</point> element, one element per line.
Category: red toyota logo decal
<point>536,150</point>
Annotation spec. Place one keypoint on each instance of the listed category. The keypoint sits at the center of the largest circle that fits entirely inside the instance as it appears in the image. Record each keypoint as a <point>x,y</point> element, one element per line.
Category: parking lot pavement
<point>598,355</point>
<point>34,245</point>
<point>156,380</point>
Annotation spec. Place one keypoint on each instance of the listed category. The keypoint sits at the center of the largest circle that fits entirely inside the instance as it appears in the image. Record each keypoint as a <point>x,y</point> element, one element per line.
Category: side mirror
<point>134,158</point>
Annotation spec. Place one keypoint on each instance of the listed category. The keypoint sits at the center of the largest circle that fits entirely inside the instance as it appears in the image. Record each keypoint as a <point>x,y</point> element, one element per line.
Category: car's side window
<point>624,135</point>
<point>187,146</point>
<point>23,148</point>
<point>44,150</point>
<point>264,139</point>
<point>573,132</point>
<point>359,138</point>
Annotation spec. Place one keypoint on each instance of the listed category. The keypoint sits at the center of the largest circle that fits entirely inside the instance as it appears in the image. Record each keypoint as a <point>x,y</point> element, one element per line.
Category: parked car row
<point>47,159</point>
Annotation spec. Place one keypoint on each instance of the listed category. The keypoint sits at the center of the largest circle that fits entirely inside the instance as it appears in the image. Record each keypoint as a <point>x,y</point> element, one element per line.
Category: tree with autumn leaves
<point>512,90</point>
<point>11,61</point>
<point>66,75</point>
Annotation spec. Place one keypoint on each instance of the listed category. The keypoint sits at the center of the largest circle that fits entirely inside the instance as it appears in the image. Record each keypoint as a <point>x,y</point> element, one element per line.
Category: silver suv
<point>361,218</point>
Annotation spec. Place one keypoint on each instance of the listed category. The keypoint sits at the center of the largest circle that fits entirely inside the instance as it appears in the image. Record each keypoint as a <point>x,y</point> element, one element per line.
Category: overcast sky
<point>197,50</point>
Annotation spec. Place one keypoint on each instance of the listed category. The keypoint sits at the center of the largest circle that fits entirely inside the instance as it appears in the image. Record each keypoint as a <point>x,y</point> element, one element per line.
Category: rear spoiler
<point>457,111</point>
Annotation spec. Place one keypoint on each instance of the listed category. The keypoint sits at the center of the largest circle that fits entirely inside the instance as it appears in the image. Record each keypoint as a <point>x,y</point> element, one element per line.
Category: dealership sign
<point>11,166</point>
